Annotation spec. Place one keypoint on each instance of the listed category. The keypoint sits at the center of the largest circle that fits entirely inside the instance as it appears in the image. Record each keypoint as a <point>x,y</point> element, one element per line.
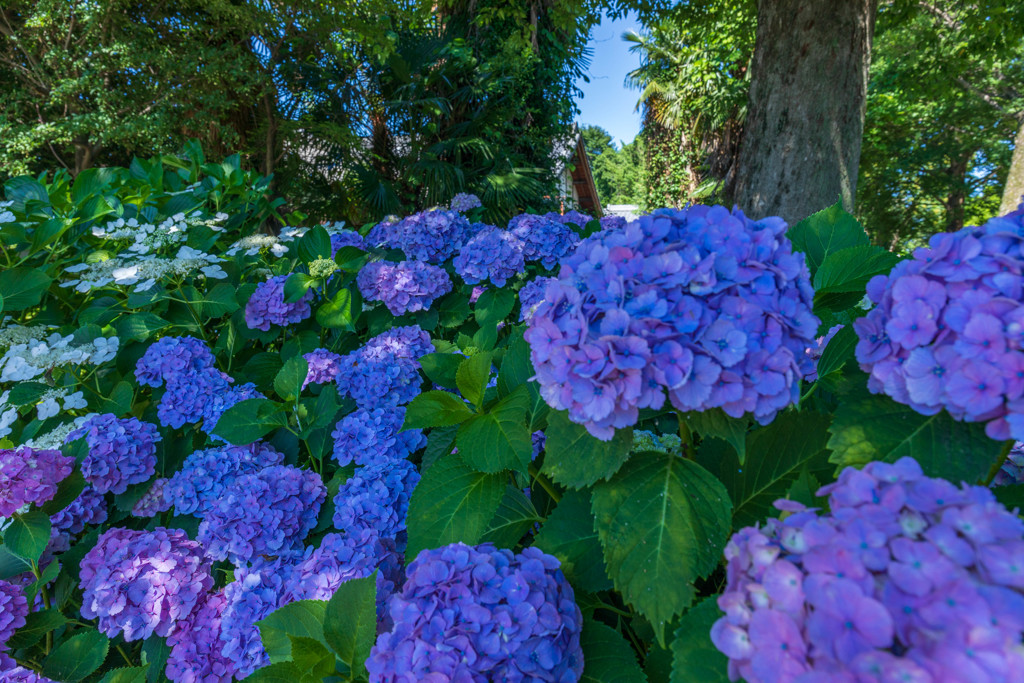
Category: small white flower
<point>7,217</point>
<point>215,272</point>
<point>279,250</point>
<point>75,401</point>
<point>126,275</point>
<point>48,407</point>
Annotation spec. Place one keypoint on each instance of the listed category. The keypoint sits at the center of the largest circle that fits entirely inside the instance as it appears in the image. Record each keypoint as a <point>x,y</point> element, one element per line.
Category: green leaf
<point>440,442</point>
<point>120,400</point>
<point>574,458</point>
<point>607,657</point>
<point>663,522</point>
<point>471,377</point>
<point>1011,496</point>
<point>139,326</point>
<point>453,309</point>
<point>350,259</point>
<point>77,657</point>
<point>249,420</point>
<point>493,306</point>
<point>279,672</point>
<point>291,376</point>
<point>516,368</point>
<point>262,368</point>
<point>715,423</point>
<point>128,674</point>
<point>67,490</point>
<point>838,352</point>
<point>316,243</point>
<point>296,286</point>
<point>451,503</point>
<point>155,652</point>
<point>23,189</point>
<point>874,427</point>
<point>569,535</point>
<point>436,409</point>
<point>302,618</point>
<point>341,311</point>
<point>516,515</point>
<point>24,393</point>
<point>842,278</point>
<point>220,301</point>
<point>499,440</point>
<point>826,232</point>
<point>694,657</point>
<point>37,625</point>
<point>350,623</point>
<point>28,534</point>
<point>22,288</point>
<point>441,368</point>
<point>11,565</point>
<point>46,576</point>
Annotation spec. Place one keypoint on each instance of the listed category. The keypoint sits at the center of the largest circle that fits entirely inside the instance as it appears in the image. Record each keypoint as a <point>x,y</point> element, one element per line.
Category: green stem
<point>810,392</point>
<point>1007,447</point>
<point>124,655</point>
<point>685,435</point>
<point>544,483</point>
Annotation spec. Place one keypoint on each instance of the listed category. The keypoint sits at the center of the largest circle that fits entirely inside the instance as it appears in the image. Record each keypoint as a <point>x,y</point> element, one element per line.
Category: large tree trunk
<point>808,94</point>
<point>1012,193</point>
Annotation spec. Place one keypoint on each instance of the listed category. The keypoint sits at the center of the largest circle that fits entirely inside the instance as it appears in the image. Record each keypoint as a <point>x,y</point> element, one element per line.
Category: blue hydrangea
<point>346,238</point>
<point>206,474</point>
<point>376,498</point>
<point>323,367</point>
<point>171,358</point>
<point>267,306</point>
<point>88,509</point>
<point>493,255</point>
<point>463,202</point>
<point>572,216</point>
<point>253,595</point>
<point>432,236</point>
<point>224,400</point>
<point>152,502</point>
<point>121,452</point>
<point>544,239</point>
<point>410,342</point>
<point>531,295</point>
<point>372,436</point>
<point>187,396</point>
<point>13,610</point>
<point>196,648</point>
<point>404,287</point>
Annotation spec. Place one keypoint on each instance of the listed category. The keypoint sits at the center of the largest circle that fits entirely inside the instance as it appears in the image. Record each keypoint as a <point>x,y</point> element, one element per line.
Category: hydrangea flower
<point>206,474</point>
<point>340,557</point>
<point>907,576</point>
<point>223,400</point>
<point>531,295</point>
<point>702,304</point>
<point>544,239</point>
<point>463,202</point>
<point>196,649</point>
<point>493,255</point>
<point>267,306</point>
<point>404,287</point>
<point>814,353</point>
<point>88,509</point>
<point>411,342</point>
<point>29,475</point>
<point>947,331</point>
<point>376,497</point>
<point>143,582</point>
<point>346,238</point>
<point>171,358</point>
<point>152,502</point>
<point>613,222</point>
<point>481,614</point>
<point>268,512</point>
<point>12,672</point>
<point>121,452</point>
<point>1012,470</point>
<point>13,610</point>
<point>187,396</point>
<point>373,436</point>
<point>323,367</point>
<point>433,236</point>
<point>253,595</point>
<point>571,216</point>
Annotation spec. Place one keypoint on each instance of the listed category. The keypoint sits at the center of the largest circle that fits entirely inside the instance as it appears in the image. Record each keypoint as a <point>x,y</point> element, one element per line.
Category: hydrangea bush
<point>434,449</point>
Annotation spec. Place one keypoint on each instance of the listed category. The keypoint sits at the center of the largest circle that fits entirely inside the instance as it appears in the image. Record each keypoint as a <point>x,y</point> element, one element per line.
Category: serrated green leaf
<point>350,259</point>
<point>302,618</point>
<point>312,658</point>
<point>607,656</point>
<point>500,439</point>
<point>436,409</point>
<point>694,657</point>
<point>350,623</point>
<point>825,232</point>
<point>133,674</point>
<point>715,423</point>
<point>22,288</point>
<point>77,657</point>
<point>249,420</point>
<point>279,672</point>
<point>37,625</point>
<point>574,458</point>
<point>440,368</point>
<point>155,652</point>
<point>569,535</point>
<point>453,309</point>
<point>24,393</point>
<point>262,368</point>
<point>341,311</point>
<point>220,301</point>
<point>67,490</point>
<point>838,352</point>
<point>28,534</point>
<point>139,326</point>
<point>471,377</point>
<point>663,522</point>
<point>451,503</point>
<point>516,515</point>
<point>516,368</point>
<point>120,400</point>
<point>841,279</point>
<point>493,306</point>
<point>290,378</point>
<point>296,286</point>
<point>316,243</point>
<point>11,565</point>
<point>440,443</point>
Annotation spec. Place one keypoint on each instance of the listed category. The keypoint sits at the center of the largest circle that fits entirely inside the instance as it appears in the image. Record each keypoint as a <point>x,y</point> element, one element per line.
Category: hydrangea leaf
<point>28,534</point>
<point>838,352</point>
<point>1011,496</point>
<point>694,657</point>
<point>715,423</point>
<point>279,672</point>
<point>498,440</point>
<point>11,565</point>
<point>155,652</point>
<point>574,458</point>
<point>471,377</point>
<point>516,368</point>
<point>453,309</point>
<point>120,400</point>
<point>440,368</point>
<point>77,657</point>
<point>825,232</point>
<point>341,310</point>
<point>301,618</point>
<point>37,624</point>
<point>289,379</point>
<point>67,490</point>
<point>127,674</point>
<point>440,443</point>
<point>262,368</point>
<point>312,659</point>
<point>220,301</point>
<point>493,306</point>
<point>24,393</point>
<point>139,326</point>
<point>870,427</point>
<point>249,420</point>
<point>451,503</point>
<point>22,288</point>
<point>350,622</point>
<point>663,522</point>
<point>316,243</point>
<point>516,515</point>
<point>607,657</point>
<point>841,279</point>
<point>569,535</point>
<point>46,576</point>
<point>436,409</point>
<point>350,259</point>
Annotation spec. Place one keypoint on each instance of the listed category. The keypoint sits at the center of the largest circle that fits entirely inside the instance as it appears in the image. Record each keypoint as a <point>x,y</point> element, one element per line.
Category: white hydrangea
<point>49,403</point>
<point>8,414</point>
<point>254,244</point>
<point>54,439</point>
<point>26,361</point>
<point>6,216</point>
<point>143,271</point>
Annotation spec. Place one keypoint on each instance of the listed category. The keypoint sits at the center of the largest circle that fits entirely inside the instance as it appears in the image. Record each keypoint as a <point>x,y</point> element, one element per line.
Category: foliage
<point>618,173</point>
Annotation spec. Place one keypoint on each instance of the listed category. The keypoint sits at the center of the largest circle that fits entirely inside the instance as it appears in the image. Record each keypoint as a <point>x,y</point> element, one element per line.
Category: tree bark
<point>808,95</point>
<point>1014,189</point>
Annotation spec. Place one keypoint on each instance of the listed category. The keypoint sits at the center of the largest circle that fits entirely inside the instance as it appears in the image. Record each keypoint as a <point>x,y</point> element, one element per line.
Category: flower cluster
<point>143,271</point>
<point>323,366</point>
<point>384,373</point>
<point>376,498</point>
<point>49,404</point>
<point>346,238</point>
<point>88,509</point>
<point>1012,470</point>
<point>433,236</point>
<point>30,476</point>
<point>531,295</point>
<point>121,452</point>
<point>267,306</point>
<point>225,399</point>
<point>206,474</point>
<point>613,222</point>
<point>703,304</point>
<point>153,501</point>
<point>544,239</point>
<point>571,216</point>
<point>196,649</point>
<point>188,397</point>
<point>481,614</point>
<point>37,355</point>
<point>170,358</point>
<point>253,594</point>
<point>143,582</point>
<point>948,328</point>
<point>463,202</point>
<point>13,610</point>
<point>404,287</point>
<point>907,575</point>
<point>267,512</point>
<point>250,245</point>
<point>317,574</point>
<point>10,670</point>
<point>147,237</point>
<point>491,254</point>
<point>372,436</point>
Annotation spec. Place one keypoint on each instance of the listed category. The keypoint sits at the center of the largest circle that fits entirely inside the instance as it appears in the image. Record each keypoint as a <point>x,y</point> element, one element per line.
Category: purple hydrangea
<point>433,236</point>
<point>12,672</point>
<point>907,575</point>
<point>121,452</point>
<point>88,509</point>
<point>463,202</point>
<point>373,436</point>
<point>340,557</point>
<point>323,367</point>
<point>29,475</point>
<point>814,352</point>
<point>947,331</point>
<point>612,222</point>
<point>481,614</point>
<point>531,295</point>
<point>544,239</point>
<point>404,287</point>
<point>268,512</point>
<point>253,594</point>
<point>206,474</point>
<point>346,238</point>
<point>1012,470</point>
<point>267,306</point>
<point>410,342</point>
<point>171,358</point>
<point>143,582</point>
<point>492,254</point>
<point>702,304</point>
<point>222,401</point>
<point>152,502</point>
<point>196,648</point>
<point>187,396</point>
<point>571,216</point>
<point>13,610</point>
<point>376,498</point>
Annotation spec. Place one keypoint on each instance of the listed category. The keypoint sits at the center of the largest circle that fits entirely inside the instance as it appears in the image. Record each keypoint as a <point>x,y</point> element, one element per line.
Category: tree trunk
<point>956,199</point>
<point>1012,193</point>
<point>808,94</point>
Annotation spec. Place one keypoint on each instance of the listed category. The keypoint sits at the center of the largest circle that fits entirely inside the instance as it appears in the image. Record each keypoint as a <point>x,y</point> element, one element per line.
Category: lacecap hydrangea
<point>947,331</point>
<point>404,287</point>
<point>368,437</point>
<point>491,255</point>
<point>433,236</point>
<point>143,582</point>
<point>121,452</point>
<point>481,614</point>
<point>702,304</point>
<point>544,239</point>
<point>29,475</point>
<point>267,306</point>
<point>908,578</point>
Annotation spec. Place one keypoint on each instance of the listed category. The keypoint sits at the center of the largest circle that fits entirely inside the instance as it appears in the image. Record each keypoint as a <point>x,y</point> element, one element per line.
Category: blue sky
<point>606,101</point>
